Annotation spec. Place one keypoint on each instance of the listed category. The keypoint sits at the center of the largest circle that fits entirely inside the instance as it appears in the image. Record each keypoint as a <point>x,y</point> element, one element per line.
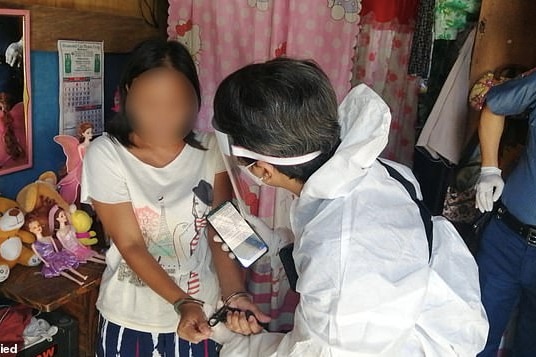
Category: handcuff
<point>221,314</point>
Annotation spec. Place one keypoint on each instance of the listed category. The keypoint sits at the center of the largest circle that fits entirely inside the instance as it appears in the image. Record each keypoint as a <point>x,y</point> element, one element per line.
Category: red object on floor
<point>13,321</point>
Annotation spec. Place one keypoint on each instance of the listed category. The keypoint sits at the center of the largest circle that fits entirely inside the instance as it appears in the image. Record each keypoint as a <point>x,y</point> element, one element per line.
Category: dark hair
<point>284,108</point>
<point>151,54</point>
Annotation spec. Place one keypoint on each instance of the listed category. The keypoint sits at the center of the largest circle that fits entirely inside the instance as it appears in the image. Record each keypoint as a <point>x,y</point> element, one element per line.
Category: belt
<point>527,232</point>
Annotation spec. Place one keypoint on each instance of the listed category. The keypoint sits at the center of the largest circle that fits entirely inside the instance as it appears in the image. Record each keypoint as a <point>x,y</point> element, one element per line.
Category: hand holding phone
<point>235,231</point>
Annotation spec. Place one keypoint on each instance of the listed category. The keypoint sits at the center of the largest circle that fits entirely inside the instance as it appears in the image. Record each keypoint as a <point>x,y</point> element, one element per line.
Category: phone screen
<point>235,231</point>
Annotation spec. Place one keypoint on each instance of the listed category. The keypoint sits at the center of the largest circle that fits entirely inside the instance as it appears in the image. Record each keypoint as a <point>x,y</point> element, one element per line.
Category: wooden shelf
<point>27,286</point>
<point>119,32</point>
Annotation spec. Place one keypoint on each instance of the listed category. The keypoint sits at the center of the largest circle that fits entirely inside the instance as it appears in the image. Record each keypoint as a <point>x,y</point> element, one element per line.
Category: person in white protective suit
<point>366,282</point>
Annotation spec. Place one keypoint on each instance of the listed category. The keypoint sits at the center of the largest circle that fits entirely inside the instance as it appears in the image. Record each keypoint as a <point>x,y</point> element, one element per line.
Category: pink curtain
<point>382,57</point>
<point>226,35</point>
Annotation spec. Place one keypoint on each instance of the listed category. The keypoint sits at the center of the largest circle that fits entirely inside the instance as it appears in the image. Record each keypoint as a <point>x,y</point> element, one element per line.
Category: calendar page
<point>81,85</point>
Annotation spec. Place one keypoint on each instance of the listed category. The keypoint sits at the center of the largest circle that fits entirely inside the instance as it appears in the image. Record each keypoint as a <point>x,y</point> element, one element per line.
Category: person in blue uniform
<point>507,256</point>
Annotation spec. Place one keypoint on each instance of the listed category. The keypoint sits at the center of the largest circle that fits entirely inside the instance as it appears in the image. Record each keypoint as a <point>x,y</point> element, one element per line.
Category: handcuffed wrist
<point>237,295</point>
<point>189,300</point>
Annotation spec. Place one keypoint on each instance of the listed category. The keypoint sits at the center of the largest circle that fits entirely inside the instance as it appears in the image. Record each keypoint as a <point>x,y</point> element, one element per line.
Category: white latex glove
<point>489,188</point>
<point>272,239</point>
<point>14,54</point>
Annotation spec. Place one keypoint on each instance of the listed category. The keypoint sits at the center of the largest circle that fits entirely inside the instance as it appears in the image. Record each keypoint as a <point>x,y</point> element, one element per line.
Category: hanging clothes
<point>451,17</point>
<point>423,39</point>
<point>443,135</point>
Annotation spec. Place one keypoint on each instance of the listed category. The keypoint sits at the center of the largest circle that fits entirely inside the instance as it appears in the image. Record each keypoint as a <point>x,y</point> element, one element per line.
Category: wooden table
<point>26,285</point>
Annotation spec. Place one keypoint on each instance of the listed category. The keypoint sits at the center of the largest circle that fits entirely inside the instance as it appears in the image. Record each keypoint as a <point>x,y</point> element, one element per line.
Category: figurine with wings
<point>74,149</point>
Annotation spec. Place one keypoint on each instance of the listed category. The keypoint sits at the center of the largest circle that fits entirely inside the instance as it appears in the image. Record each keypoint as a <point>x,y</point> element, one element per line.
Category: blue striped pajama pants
<point>118,341</point>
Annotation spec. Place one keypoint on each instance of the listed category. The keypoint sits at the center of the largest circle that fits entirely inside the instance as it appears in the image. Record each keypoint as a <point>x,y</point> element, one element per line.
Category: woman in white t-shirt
<point>152,181</point>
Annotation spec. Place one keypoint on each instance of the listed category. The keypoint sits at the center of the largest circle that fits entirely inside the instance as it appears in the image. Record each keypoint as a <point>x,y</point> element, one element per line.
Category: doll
<point>75,150</point>
<point>55,262</point>
<point>59,222</point>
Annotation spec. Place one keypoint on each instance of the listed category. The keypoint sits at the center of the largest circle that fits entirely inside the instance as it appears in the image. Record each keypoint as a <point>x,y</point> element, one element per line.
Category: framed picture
<point>15,100</point>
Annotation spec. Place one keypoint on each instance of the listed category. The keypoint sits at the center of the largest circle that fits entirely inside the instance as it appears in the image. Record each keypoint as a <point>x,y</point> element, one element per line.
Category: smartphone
<point>236,232</point>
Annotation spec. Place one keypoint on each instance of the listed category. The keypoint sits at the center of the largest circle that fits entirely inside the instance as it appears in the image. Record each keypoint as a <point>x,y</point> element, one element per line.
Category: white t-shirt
<point>171,204</point>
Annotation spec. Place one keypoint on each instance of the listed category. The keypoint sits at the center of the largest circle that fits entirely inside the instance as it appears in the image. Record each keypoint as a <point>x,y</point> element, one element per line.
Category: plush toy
<point>12,239</point>
<point>81,221</point>
<point>40,196</point>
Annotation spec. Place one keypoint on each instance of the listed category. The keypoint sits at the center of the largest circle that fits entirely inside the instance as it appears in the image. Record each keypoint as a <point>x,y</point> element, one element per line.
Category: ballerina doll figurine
<point>55,262</point>
<point>75,150</point>
<point>59,222</point>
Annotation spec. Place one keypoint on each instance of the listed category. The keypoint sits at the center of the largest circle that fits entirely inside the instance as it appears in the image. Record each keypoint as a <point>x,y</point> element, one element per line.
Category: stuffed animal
<point>12,239</point>
<point>40,196</point>
<point>81,221</point>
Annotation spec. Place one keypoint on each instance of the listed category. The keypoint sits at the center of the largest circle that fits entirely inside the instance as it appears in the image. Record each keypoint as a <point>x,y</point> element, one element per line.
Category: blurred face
<point>162,103</point>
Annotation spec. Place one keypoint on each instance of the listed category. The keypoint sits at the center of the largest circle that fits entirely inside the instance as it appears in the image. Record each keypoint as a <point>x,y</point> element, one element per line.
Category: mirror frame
<point>26,90</point>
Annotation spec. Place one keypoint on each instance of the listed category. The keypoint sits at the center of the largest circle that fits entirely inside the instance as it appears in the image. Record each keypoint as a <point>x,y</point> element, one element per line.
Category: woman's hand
<point>193,324</point>
<point>239,323</point>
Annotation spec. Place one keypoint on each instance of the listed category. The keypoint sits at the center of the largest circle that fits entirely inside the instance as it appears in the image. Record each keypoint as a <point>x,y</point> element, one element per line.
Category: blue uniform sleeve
<point>514,96</point>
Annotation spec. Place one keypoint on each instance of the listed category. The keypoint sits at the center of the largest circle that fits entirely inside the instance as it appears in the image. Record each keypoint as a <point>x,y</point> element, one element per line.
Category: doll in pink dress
<point>66,234</point>
<point>55,262</point>
<point>75,150</point>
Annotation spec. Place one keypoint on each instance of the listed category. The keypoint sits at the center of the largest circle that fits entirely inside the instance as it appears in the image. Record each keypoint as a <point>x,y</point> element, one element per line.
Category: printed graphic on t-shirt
<point>202,203</point>
<point>166,245</point>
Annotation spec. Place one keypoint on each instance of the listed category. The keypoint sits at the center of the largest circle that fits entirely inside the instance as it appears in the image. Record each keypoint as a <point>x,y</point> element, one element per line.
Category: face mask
<point>245,170</point>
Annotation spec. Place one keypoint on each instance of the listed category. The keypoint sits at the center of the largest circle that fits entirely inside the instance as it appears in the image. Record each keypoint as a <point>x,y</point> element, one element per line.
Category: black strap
<point>425,213</point>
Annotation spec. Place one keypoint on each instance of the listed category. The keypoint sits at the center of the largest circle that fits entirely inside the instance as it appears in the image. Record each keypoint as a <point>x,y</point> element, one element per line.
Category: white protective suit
<point>366,287</point>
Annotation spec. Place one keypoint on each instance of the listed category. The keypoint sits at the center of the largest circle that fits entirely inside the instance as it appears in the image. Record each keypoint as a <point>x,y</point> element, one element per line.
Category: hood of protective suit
<point>365,120</point>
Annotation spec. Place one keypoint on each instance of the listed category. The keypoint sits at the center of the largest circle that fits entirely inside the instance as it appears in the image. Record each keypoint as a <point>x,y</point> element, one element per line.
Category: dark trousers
<point>507,266</point>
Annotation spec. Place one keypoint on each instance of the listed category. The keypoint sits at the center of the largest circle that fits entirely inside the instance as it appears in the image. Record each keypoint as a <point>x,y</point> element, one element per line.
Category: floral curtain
<point>381,61</point>
<point>226,35</point>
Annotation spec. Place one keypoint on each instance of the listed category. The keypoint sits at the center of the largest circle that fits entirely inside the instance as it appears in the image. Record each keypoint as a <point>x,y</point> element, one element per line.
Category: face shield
<point>233,156</point>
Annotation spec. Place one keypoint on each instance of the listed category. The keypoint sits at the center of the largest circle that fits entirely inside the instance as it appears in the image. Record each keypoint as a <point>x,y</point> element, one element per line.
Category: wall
<point>45,116</point>
<point>119,32</point>
<point>505,36</point>
<point>124,7</point>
